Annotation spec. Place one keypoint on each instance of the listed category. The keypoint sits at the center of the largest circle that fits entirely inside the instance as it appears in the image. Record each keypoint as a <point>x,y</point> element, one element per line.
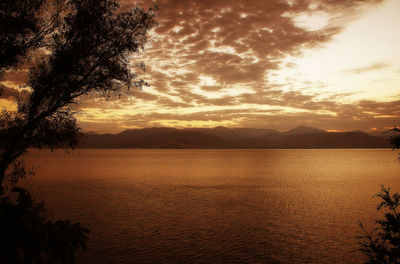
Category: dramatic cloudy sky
<point>332,64</point>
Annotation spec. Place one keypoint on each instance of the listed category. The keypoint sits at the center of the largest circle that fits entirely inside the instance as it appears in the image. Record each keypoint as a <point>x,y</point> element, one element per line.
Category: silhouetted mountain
<point>302,130</point>
<point>153,138</point>
<point>330,140</point>
<point>254,132</point>
<point>222,137</point>
<point>380,134</point>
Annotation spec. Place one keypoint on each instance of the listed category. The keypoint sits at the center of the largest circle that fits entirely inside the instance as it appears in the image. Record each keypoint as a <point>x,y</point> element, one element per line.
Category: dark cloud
<point>16,77</point>
<point>9,92</point>
<point>169,103</point>
<point>210,88</point>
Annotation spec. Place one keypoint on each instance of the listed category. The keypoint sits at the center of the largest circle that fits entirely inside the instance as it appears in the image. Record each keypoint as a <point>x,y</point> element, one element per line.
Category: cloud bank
<point>213,63</point>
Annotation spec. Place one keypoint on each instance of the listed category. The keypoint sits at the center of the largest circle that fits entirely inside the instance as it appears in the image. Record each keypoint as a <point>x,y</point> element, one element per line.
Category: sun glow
<point>363,60</point>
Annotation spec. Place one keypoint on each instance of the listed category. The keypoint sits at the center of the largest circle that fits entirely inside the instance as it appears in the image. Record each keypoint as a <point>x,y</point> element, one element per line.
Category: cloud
<point>350,117</point>
<point>9,92</point>
<point>218,55</point>
<point>373,67</point>
<point>233,41</point>
<point>19,77</point>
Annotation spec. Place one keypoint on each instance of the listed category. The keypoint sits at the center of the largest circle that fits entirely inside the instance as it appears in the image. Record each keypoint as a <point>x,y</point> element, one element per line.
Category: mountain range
<point>231,138</point>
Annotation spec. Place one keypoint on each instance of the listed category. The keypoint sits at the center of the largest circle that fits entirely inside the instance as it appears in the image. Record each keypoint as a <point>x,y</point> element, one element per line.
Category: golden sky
<point>331,64</point>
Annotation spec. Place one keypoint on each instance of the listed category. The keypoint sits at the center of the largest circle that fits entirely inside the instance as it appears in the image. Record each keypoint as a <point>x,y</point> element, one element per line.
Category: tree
<point>28,237</point>
<point>87,52</point>
<point>21,30</point>
<point>382,245</point>
<point>395,138</point>
<point>79,47</point>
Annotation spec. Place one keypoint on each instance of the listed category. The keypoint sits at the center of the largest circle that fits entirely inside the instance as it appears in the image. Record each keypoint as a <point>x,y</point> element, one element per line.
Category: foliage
<point>20,30</point>
<point>72,48</point>
<point>27,237</point>
<point>382,245</point>
<point>86,52</point>
<point>395,138</point>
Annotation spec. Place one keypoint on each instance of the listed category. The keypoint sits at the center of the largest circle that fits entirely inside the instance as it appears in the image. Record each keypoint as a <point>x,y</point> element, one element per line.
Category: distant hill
<point>302,130</point>
<point>227,138</point>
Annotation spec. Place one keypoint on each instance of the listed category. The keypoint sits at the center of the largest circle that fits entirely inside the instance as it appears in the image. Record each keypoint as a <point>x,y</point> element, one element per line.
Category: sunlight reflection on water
<point>216,206</point>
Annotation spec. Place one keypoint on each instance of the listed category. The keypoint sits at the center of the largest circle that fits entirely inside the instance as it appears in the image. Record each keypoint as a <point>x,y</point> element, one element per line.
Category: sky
<point>331,64</point>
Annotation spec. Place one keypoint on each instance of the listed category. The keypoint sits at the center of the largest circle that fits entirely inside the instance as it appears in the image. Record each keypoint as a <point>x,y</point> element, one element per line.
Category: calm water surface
<point>216,206</point>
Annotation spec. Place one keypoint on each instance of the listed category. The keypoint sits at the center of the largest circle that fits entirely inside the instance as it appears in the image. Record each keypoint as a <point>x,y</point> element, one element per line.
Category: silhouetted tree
<point>87,52</point>
<point>28,237</point>
<point>82,46</point>
<point>395,138</point>
<point>21,29</point>
<point>382,245</point>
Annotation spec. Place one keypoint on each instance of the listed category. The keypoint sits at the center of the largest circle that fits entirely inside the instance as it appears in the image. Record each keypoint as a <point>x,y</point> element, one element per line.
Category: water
<point>216,206</point>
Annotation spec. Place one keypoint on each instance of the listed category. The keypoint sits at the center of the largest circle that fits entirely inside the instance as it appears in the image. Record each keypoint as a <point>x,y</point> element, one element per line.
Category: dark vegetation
<point>382,244</point>
<point>395,137</point>
<point>74,47</point>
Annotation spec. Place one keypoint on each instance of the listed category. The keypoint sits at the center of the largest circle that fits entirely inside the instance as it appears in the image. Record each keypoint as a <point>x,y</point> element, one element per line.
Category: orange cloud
<point>220,54</point>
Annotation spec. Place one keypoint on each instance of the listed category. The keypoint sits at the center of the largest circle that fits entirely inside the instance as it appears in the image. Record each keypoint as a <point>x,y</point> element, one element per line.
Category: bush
<point>382,244</point>
<point>28,237</point>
